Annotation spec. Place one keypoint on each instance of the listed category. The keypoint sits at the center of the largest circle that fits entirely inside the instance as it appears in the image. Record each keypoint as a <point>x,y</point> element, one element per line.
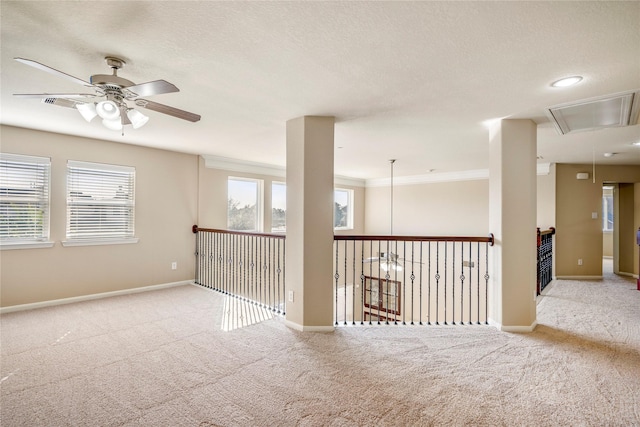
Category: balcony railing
<point>545,258</point>
<point>411,280</point>
<point>248,266</point>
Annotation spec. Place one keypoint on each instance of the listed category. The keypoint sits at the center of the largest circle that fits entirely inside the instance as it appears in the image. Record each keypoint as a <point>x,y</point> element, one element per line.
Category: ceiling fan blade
<point>61,102</point>
<point>161,108</point>
<point>55,95</point>
<point>155,87</point>
<point>48,69</point>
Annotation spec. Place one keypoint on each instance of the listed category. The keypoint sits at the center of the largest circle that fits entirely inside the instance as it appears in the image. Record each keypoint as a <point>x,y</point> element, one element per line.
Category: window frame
<point>259,216</point>
<point>40,166</point>
<point>605,209</point>
<point>284,229</point>
<point>350,203</point>
<point>74,185</point>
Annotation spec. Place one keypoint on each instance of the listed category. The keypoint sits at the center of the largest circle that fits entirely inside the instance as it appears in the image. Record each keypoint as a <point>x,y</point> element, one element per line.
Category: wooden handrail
<point>551,230</point>
<point>195,229</point>
<point>488,239</point>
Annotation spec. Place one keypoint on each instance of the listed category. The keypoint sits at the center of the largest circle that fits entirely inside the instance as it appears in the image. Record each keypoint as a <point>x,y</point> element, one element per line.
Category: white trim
<point>303,328</point>
<point>71,300</point>
<point>345,180</point>
<point>234,165</point>
<point>98,242</point>
<point>469,175</point>
<point>504,328</point>
<point>101,166</point>
<point>622,273</point>
<point>6,246</point>
<point>579,277</point>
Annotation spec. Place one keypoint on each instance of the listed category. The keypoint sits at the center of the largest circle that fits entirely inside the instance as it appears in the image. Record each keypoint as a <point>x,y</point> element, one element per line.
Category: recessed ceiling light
<point>567,81</point>
<point>609,154</point>
<point>637,144</point>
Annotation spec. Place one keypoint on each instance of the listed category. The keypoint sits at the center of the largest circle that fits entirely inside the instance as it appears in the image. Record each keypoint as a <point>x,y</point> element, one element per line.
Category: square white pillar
<point>309,260</point>
<point>512,220</point>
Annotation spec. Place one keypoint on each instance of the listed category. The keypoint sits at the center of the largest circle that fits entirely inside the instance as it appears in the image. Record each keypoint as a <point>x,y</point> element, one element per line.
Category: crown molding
<point>234,165</point>
<point>469,175</point>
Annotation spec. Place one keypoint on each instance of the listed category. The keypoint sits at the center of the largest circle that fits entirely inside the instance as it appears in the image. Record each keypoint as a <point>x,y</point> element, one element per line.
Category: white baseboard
<point>504,328</point>
<point>71,300</point>
<point>303,328</point>
<point>622,273</point>
<point>579,277</point>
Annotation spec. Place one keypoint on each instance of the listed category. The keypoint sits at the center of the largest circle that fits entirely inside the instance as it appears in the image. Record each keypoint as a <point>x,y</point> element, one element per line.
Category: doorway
<point>608,228</point>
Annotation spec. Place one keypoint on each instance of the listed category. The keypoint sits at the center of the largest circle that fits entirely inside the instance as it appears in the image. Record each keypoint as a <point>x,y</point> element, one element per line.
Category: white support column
<point>309,259</point>
<point>512,220</point>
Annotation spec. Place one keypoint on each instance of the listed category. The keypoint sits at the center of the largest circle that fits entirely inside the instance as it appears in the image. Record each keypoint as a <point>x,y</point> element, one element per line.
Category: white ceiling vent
<point>596,113</point>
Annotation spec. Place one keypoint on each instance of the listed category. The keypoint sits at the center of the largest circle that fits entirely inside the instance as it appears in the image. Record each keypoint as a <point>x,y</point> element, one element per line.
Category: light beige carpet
<point>163,359</point>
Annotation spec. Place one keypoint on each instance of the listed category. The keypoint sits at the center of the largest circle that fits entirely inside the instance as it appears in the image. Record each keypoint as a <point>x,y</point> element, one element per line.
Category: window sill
<point>99,242</point>
<point>26,245</point>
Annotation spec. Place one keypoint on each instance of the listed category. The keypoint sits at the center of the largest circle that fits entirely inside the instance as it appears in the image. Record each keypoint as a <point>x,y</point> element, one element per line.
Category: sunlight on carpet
<point>238,314</point>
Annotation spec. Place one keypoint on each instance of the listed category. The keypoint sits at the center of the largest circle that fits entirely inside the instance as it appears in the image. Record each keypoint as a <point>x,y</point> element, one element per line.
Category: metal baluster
<point>345,281</point>
<point>429,289</point>
<point>284,276</point>
<point>279,270</point>
<point>470,282</point>
<point>336,276</point>
<point>353,286</point>
<point>412,277</point>
<point>453,282</point>
<point>269,272</point>
<point>478,284</point>
<point>462,283</point>
<point>421,273</point>
<point>486,284</point>
<point>437,282</point>
<point>362,283</point>
<point>379,278</point>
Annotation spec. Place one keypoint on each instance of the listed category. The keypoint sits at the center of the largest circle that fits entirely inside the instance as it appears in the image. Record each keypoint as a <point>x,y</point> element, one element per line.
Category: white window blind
<point>100,201</point>
<point>24,198</point>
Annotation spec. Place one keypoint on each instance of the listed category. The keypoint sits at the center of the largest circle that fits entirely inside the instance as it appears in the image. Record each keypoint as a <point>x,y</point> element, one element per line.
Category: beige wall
<point>166,200</point>
<point>636,227</point>
<point>578,236</point>
<point>627,235</point>
<point>447,208</point>
<point>430,209</point>
<point>607,245</point>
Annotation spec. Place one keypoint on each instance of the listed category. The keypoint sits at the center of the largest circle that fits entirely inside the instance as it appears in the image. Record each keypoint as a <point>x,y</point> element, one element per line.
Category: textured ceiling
<point>407,80</point>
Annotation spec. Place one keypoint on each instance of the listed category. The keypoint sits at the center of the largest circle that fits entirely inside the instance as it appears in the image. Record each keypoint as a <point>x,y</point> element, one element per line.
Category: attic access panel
<point>596,113</point>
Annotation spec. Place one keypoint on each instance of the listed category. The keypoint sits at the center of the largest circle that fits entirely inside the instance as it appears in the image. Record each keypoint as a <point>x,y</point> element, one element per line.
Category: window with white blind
<point>100,203</point>
<point>24,201</point>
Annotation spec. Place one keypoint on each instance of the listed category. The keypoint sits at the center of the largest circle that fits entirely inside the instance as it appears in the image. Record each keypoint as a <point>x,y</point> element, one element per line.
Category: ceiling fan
<point>388,260</point>
<point>109,102</point>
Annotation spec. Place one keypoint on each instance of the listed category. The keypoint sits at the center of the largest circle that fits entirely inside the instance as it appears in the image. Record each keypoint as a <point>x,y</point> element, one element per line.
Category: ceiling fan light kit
<point>116,91</point>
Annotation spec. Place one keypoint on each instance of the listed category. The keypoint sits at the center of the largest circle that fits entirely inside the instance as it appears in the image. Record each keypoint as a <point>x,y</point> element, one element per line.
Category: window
<point>24,200</point>
<point>278,206</point>
<point>343,209</point>
<point>100,203</point>
<point>607,208</point>
<point>244,199</point>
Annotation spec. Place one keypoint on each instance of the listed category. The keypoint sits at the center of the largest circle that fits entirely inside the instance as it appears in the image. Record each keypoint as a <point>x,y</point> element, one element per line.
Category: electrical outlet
<point>468,264</point>
<point>580,261</point>
<point>290,296</point>
<point>174,265</point>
